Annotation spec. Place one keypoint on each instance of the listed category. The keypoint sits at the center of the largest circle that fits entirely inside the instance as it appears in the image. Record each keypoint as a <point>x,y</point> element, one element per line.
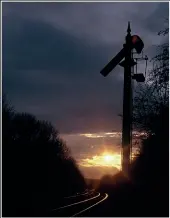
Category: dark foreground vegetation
<point>37,168</point>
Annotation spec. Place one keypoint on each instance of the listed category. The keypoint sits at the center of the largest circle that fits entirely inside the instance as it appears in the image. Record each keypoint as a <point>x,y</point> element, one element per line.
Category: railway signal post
<point>132,42</point>
<point>126,125</point>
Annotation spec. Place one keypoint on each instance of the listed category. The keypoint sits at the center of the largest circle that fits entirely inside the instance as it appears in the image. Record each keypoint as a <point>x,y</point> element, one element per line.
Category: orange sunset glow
<point>98,153</point>
<point>104,160</point>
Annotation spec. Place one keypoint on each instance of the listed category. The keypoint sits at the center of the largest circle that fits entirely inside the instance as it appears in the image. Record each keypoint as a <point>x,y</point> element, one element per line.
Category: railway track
<point>87,209</point>
<point>80,207</point>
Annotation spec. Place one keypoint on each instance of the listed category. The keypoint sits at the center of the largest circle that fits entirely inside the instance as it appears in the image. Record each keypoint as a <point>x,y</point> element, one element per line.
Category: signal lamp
<point>137,43</point>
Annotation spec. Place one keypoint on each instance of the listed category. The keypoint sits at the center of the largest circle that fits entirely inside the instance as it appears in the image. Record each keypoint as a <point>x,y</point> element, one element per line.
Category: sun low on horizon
<point>99,153</point>
<point>104,159</point>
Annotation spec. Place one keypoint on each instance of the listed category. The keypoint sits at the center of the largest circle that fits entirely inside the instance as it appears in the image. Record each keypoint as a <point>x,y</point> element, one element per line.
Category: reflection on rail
<point>106,196</point>
<point>80,202</point>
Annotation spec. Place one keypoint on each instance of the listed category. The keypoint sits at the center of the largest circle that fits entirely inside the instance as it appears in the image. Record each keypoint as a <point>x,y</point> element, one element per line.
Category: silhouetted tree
<point>151,114</point>
<point>38,168</point>
<point>152,99</point>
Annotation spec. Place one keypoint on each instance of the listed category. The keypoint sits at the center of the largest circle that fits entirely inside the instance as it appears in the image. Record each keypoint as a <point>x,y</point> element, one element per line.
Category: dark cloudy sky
<point>53,53</point>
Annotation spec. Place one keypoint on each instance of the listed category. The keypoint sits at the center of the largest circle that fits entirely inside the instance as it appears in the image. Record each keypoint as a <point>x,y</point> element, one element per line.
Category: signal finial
<point>128,29</point>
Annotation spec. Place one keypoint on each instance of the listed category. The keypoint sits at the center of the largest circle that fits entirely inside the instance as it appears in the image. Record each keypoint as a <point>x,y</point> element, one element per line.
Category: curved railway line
<point>82,206</point>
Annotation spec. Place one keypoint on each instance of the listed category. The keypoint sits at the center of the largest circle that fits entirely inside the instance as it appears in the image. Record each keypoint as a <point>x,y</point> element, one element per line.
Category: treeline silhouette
<point>145,191</point>
<point>37,167</point>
